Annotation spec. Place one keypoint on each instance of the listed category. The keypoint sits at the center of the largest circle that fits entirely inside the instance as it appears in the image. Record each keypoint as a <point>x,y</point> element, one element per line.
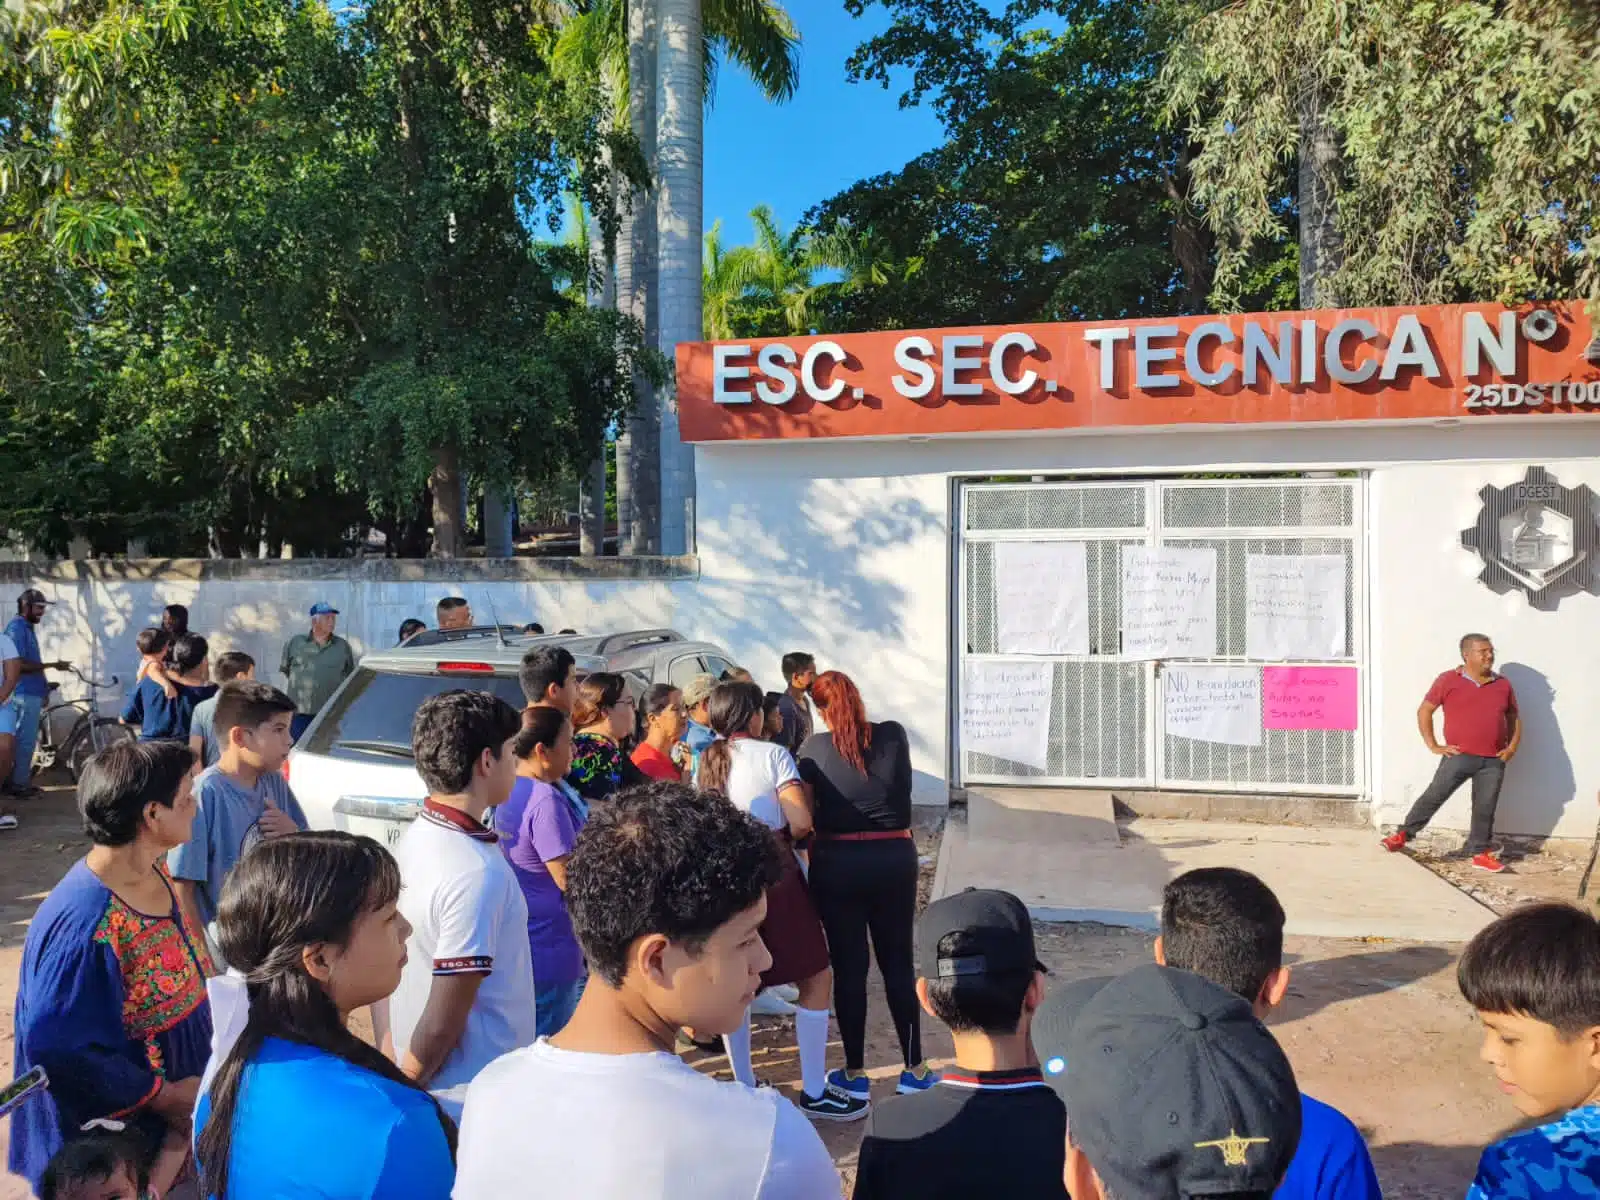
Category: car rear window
<point>371,718</point>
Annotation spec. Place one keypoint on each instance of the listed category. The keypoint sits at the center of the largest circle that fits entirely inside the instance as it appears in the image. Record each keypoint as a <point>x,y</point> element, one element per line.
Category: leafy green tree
<point>1461,141</point>
<point>1058,195</point>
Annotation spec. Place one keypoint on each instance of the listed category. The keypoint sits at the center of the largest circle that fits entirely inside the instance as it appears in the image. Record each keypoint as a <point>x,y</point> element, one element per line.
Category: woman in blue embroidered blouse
<point>294,1104</point>
<point>111,1000</point>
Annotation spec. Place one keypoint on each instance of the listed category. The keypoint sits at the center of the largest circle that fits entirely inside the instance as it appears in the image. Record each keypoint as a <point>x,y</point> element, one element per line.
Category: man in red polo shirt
<point>1481,731</point>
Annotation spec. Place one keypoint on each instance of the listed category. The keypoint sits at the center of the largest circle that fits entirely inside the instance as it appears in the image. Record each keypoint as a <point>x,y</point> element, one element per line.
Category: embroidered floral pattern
<point>163,971</point>
<point>596,766</point>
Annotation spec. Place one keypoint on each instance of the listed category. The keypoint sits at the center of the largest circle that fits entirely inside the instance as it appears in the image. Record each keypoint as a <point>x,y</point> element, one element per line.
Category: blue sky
<point>831,134</point>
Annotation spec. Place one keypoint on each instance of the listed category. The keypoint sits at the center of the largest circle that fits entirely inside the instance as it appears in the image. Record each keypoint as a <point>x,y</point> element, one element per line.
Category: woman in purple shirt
<point>538,825</point>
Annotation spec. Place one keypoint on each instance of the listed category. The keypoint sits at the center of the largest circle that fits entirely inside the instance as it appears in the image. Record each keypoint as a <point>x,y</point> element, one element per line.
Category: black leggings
<point>860,887</point>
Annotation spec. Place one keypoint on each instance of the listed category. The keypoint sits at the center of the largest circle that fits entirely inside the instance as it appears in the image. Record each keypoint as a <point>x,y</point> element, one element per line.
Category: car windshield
<point>371,718</point>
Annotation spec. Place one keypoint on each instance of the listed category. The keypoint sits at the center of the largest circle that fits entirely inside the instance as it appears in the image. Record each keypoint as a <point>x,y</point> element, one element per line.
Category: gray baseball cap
<point>1173,1088</point>
<point>700,687</point>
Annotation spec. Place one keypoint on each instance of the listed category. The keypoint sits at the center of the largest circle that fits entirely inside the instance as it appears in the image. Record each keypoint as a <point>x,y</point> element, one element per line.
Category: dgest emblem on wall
<point>1539,538</point>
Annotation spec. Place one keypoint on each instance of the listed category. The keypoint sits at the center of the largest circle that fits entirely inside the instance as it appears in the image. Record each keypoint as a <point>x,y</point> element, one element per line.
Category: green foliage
<point>260,267</point>
<point>1466,130</point>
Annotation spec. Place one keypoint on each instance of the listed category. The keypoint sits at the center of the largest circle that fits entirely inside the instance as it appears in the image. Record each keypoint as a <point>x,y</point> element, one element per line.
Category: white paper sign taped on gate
<point>1005,711</point>
<point>1041,598</point>
<point>1213,704</point>
<point>1294,606</point>
<point>1169,602</point>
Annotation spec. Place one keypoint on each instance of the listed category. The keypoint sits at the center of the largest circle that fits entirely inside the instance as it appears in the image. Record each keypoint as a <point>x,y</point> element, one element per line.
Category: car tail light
<point>465,668</point>
<point>284,770</point>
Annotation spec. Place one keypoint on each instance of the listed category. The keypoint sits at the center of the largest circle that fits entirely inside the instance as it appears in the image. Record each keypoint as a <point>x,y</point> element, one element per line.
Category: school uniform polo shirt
<point>974,1133</point>
<point>467,916</point>
<point>1478,717</point>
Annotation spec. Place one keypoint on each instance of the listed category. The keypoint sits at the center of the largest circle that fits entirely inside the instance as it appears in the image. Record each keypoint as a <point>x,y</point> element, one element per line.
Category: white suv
<point>352,768</point>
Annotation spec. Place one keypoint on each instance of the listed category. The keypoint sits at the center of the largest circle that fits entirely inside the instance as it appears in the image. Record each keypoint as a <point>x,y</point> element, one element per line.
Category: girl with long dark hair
<point>864,872</point>
<point>538,826</point>
<point>294,1104</point>
<point>761,778</point>
<point>604,717</point>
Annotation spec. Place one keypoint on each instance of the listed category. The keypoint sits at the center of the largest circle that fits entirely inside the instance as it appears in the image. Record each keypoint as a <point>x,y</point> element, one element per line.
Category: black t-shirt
<point>975,1133</point>
<point>846,801</point>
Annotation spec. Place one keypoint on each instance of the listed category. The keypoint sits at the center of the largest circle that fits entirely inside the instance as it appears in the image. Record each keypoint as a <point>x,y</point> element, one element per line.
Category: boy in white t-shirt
<point>667,892</point>
<point>466,992</point>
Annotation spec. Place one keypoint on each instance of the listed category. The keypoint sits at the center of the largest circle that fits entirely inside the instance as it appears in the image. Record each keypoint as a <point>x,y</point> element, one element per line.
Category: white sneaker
<point>770,1004</point>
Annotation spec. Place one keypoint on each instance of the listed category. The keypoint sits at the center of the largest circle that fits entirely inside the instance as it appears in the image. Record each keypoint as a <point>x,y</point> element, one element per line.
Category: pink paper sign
<point>1309,697</point>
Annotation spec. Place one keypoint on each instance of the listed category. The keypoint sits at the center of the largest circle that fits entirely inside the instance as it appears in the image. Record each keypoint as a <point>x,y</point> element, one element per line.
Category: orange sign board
<point>1471,361</point>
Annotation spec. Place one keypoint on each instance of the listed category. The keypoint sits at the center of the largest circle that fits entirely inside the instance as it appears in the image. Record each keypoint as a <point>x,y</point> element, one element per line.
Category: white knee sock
<point>811,1035</point>
<point>739,1052</point>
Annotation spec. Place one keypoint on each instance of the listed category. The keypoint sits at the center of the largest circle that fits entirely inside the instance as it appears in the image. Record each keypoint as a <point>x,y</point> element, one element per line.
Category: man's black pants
<point>1486,773</point>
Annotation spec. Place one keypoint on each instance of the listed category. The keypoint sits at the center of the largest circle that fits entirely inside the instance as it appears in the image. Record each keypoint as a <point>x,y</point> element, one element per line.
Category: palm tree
<point>725,279</point>
<point>672,48</point>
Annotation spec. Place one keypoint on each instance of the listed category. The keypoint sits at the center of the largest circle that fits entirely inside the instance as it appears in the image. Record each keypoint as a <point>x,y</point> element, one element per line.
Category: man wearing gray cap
<point>27,701</point>
<point>1173,1088</point>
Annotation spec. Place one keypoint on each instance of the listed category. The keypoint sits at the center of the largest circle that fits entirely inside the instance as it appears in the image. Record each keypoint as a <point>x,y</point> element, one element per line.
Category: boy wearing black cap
<point>990,1126</point>
<point>1173,1089</point>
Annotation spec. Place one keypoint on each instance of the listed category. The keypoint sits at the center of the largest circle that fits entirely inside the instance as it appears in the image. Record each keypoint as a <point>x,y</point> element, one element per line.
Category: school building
<point>1215,561</point>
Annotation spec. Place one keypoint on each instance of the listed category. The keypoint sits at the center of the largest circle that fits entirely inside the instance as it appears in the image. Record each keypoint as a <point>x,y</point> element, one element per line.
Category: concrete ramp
<point>1081,866</point>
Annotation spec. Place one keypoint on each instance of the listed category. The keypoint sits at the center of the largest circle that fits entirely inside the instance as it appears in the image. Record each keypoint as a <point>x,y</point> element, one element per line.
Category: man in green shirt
<point>315,665</point>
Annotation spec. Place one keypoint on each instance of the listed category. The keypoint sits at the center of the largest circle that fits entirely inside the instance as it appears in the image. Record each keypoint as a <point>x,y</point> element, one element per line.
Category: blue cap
<point>323,609</point>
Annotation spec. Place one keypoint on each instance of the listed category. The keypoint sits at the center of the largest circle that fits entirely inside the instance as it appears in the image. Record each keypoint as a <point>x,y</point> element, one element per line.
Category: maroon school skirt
<point>792,930</point>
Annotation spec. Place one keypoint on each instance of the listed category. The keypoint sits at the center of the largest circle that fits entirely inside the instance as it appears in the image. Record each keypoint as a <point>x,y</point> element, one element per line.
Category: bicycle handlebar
<point>94,683</point>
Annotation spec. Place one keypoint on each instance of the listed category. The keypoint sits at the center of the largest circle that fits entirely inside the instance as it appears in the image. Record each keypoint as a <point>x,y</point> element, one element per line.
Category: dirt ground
<point>1375,1028</point>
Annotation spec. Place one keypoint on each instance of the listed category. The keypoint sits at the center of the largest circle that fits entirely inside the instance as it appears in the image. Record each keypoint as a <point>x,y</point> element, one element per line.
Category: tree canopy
<point>290,270</point>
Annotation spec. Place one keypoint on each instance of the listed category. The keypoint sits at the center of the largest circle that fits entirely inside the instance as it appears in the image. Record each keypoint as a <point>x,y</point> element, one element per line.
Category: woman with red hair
<point>864,873</point>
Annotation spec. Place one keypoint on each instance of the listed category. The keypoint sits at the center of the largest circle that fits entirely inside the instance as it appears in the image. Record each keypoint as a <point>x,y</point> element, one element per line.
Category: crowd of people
<point>596,882</point>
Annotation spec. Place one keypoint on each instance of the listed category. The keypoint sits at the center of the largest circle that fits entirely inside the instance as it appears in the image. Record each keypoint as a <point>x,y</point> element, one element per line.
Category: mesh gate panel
<point>1233,555</point>
<point>1097,718</point>
<point>1258,506</point>
<point>1042,506</point>
<point>1103,705</point>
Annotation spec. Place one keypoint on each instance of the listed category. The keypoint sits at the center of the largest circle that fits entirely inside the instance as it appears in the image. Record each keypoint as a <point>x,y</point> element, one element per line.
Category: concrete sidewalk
<point>1081,866</point>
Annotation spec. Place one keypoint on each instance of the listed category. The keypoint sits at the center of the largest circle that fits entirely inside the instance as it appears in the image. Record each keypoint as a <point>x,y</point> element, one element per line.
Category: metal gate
<point>1107,724</point>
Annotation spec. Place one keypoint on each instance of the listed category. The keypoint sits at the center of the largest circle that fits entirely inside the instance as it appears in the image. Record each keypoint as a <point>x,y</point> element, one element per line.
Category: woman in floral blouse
<point>604,717</point>
<point>111,1001</point>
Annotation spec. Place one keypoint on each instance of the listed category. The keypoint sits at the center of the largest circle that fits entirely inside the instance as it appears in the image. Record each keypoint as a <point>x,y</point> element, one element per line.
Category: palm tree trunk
<point>638,469</point>
<point>680,219</point>
<point>602,293</point>
<point>445,482</point>
<point>1321,247</point>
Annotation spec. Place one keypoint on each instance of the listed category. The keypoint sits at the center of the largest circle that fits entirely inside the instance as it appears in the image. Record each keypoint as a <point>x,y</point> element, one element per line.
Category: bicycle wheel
<point>80,746</point>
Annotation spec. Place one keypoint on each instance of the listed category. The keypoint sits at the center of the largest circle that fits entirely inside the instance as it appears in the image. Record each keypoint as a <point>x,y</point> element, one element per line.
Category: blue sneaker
<point>860,1086</point>
<point>911,1082</point>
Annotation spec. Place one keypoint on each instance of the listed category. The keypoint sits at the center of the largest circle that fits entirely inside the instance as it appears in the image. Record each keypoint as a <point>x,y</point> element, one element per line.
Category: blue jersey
<point>1331,1162</point>
<point>1558,1161</point>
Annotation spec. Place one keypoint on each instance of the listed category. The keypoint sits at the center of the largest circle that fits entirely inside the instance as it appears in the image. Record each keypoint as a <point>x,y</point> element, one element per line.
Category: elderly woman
<point>111,1001</point>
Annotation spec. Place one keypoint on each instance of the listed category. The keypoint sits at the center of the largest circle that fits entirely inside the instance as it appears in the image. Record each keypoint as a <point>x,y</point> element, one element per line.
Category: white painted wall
<point>843,549</point>
<point>1425,595</point>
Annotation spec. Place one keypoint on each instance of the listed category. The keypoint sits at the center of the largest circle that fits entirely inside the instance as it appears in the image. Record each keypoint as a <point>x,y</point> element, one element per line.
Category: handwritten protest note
<point>1294,606</point>
<point>1310,697</point>
<point>1041,598</point>
<point>1213,704</point>
<point>1169,602</point>
<point>1005,710</point>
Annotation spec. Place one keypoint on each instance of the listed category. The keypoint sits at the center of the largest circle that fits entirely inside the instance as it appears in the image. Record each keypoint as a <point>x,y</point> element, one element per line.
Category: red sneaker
<point>1488,862</point>
<point>1396,841</point>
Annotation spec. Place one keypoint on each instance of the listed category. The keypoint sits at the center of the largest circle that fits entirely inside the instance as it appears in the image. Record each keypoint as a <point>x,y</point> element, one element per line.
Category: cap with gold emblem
<point>1173,1089</point>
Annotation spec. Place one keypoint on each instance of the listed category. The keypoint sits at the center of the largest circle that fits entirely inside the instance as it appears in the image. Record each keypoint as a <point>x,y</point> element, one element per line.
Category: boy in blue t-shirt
<point>1227,925</point>
<point>162,707</point>
<point>242,799</point>
<point>1534,977</point>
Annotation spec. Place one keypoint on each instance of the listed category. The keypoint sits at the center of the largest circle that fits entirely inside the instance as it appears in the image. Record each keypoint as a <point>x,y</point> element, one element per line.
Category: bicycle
<point>89,733</point>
